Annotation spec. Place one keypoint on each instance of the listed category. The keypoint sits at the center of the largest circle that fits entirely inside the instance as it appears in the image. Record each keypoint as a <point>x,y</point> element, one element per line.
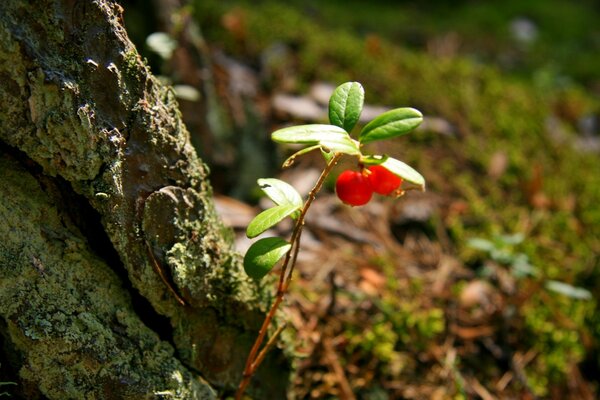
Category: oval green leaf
<point>280,192</point>
<point>342,144</point>
<point>332,138</point>
<point>404,171</point>
<point>568,290</point>
<point>308,134</point>
<point>269,218</point>
<point>263,254</point>
<point>345,105</point>
<point>390,124</point>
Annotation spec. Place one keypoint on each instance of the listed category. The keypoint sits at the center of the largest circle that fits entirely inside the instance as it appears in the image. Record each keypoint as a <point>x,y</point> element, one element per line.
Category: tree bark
<point>117,279</point>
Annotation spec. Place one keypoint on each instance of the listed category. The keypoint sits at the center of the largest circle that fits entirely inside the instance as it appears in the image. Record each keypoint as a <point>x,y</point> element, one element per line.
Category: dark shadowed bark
<point>117,279</point>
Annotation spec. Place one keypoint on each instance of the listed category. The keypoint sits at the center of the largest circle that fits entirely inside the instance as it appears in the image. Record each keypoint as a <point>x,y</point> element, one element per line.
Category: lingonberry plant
<point>375,173</point>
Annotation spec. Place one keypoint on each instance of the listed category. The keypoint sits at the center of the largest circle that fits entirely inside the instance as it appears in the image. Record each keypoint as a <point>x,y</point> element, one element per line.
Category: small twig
<point>332,302</point>
<point>159,270</point>
<point>517,368</point>
<point>334,363</point>
<point>285,278</point>
<point>479,389</point>
<point>519,372</point>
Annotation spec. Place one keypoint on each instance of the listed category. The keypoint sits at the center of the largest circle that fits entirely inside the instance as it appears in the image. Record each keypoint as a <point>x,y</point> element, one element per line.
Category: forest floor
<point>485,285</point>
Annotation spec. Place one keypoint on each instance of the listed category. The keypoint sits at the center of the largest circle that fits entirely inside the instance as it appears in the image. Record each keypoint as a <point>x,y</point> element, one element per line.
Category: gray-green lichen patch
<point>65,140</point>
<point>49,117</point>
<point>181,229</point>
<point>67,313</point>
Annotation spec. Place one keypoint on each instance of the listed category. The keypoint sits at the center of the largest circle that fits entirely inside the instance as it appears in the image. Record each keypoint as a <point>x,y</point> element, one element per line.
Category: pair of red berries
<point>356,188</point>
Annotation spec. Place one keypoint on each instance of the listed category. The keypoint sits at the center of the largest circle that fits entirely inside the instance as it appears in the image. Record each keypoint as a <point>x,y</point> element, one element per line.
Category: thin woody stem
<point>261,356</point>
<point>285,278</point>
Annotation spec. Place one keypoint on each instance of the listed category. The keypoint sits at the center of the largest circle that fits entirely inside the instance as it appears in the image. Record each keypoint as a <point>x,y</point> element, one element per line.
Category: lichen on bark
<point>77,101</point>
<point>67,313</point>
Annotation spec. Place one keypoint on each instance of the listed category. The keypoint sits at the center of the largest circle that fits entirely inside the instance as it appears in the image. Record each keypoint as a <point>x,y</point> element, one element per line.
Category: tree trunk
<point>117,279</point>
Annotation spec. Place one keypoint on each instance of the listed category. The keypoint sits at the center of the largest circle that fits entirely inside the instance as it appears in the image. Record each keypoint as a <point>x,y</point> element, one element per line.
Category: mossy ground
<point>512,165</point>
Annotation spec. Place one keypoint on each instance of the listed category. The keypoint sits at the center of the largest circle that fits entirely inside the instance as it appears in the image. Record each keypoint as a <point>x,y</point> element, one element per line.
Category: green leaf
<point>263,254</point>
<point>329,137</point>
<point>345,105</point>
<point>481,244</point>
<point>391,124</point>
<point>373,160</point>
<point>404,171</point>
<point>568,290</point>
<point>327,155</point>
<point>513,239</point>
<point>342,144</point>
<point>268,218</point>
<point>521,267</point>
<point>307,134</point>
<point>162,44</point>
<point>280,192</point>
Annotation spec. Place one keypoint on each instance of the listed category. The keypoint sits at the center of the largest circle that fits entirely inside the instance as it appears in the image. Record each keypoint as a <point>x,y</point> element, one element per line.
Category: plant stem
<point>285,278</point>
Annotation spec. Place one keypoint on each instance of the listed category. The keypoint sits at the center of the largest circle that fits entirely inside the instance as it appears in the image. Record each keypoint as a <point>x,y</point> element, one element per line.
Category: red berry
<point>353,188</point>
<point>383,181</point>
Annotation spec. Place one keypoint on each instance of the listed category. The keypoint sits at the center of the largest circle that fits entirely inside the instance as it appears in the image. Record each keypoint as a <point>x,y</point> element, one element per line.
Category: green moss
<point>558,343</point>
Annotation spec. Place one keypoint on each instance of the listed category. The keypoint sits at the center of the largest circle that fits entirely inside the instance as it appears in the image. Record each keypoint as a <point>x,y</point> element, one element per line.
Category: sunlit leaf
<point>342,144</point>
<point>513,239</point>
<point>391,124</point>
<point>404,171</point>
<point>187,92</point>
<point>280,192</point>
<point>481,244</point>
<point>521,267</point>
<point>308,134</point>
<point>345,105</point>
<point>568,290</point>
<point>269,218</point>
<point>162,44</point>
<point>330,137</point>
<point>263,254</point>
